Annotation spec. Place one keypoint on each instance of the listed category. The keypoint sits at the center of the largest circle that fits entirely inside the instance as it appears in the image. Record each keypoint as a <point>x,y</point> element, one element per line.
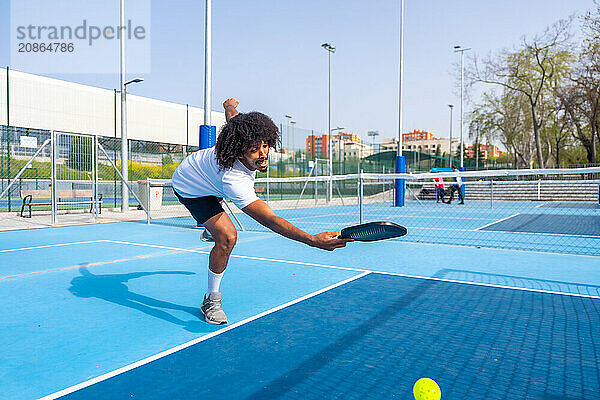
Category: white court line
<point>247,320</point>
<point>372,271</point>
<point>240,256</point>
<point>195,341</point>
<point>542,205</point>
<point>496,221</point>
<point>51,245</point>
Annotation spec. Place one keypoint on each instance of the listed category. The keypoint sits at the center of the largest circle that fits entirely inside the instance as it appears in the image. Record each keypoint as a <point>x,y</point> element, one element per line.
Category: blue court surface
<point>559,204</point>
<point>587,225</point>
<point>111,311</point>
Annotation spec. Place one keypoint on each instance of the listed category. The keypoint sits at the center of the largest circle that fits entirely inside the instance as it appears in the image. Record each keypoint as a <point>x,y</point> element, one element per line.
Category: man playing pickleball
<point>228,170</point>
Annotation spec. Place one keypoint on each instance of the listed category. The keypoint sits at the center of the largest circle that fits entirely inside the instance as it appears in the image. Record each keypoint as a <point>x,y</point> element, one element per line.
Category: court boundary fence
<point>71,156</point>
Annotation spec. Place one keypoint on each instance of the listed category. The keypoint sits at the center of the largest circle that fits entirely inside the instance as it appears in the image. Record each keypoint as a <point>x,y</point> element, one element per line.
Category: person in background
<point>456,187</point>
<point>439,189</point>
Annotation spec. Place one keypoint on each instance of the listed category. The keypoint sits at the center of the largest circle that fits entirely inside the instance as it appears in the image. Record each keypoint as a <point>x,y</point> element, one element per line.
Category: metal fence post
<point>539,188</point>
<point>95,173</point>
<point>53,176</point>
<point>268,186</point>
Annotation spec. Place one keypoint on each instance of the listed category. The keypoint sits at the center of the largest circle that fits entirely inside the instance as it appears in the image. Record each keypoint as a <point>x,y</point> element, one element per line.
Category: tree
<point>503,117</point>
<point>530,71</point>
<point>558,134</point>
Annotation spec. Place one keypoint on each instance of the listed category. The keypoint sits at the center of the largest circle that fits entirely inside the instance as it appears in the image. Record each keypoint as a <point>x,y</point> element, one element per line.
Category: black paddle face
<point>373,231</point>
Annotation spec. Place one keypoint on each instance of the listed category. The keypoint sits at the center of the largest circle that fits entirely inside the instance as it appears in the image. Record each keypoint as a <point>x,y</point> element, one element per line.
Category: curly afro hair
<point>243,132</point>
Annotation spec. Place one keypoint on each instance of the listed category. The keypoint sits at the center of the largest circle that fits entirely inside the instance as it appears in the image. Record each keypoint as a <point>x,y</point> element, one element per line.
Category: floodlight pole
<point>330,49</point>
<point>400,165</point>
<point>459,49</point>
<point>373,134</point>
<point>207,63</point>
<point>289,117</point>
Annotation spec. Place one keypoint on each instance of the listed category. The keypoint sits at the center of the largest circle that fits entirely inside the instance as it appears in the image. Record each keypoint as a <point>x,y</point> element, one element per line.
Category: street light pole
<point>292,123</point>
<point>450,151</point>
<point>330,49</point>
<point>125,145</point>
<point>459,49</point>
<point>339,146</point>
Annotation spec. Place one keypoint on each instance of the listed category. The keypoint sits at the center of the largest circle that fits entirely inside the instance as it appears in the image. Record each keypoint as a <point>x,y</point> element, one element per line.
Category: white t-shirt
<point>459,181</point>
<point>199,175</point>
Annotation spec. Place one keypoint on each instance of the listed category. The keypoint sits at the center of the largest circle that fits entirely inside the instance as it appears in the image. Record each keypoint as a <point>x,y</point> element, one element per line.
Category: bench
<point>64,197</point>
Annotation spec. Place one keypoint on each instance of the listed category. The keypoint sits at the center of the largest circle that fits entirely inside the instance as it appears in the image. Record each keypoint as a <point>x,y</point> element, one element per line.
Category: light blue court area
<point>111,311</point>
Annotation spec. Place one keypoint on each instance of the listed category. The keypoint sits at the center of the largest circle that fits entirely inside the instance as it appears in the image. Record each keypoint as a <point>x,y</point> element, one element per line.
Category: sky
<point>268,55</point>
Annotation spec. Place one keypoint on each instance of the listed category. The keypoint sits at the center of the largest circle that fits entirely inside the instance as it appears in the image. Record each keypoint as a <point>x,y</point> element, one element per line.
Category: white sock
<point>214,280</point>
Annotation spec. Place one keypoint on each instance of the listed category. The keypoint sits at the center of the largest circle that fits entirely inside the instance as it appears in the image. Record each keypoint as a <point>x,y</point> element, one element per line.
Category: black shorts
<point>202,208</point>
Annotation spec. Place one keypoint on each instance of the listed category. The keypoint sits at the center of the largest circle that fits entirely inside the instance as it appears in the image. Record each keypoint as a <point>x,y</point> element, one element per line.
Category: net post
<point>400,183</point>
<point>462,187</point>
<point>360,196</point>
<point>492,193</point>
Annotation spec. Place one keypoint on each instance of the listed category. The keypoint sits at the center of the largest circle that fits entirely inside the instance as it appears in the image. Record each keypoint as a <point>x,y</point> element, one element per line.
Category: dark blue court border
<point>374,337</point>
<point>585,225</point>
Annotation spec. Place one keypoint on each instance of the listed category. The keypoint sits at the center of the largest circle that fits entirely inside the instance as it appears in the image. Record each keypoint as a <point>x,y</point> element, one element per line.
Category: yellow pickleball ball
<point>427,389</point>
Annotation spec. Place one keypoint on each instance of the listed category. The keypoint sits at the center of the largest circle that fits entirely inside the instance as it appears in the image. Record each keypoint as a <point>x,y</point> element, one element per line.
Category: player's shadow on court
<point>113,288</point>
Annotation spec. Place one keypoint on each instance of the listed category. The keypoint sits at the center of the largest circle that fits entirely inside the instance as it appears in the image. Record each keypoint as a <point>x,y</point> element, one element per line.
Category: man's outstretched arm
<point>230,106</point>
<point>263,214</point>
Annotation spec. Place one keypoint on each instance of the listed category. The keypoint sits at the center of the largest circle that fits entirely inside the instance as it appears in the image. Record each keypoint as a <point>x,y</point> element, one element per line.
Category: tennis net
<point>551,210</point>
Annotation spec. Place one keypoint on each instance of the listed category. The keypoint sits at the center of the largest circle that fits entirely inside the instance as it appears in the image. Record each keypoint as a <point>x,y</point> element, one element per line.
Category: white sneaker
<point>212,309</point>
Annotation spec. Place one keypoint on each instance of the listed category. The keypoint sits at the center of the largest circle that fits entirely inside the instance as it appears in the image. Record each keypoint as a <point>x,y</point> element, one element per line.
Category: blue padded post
<point>462,188</point>
<point>400,183</point>
<point>208,136</point>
